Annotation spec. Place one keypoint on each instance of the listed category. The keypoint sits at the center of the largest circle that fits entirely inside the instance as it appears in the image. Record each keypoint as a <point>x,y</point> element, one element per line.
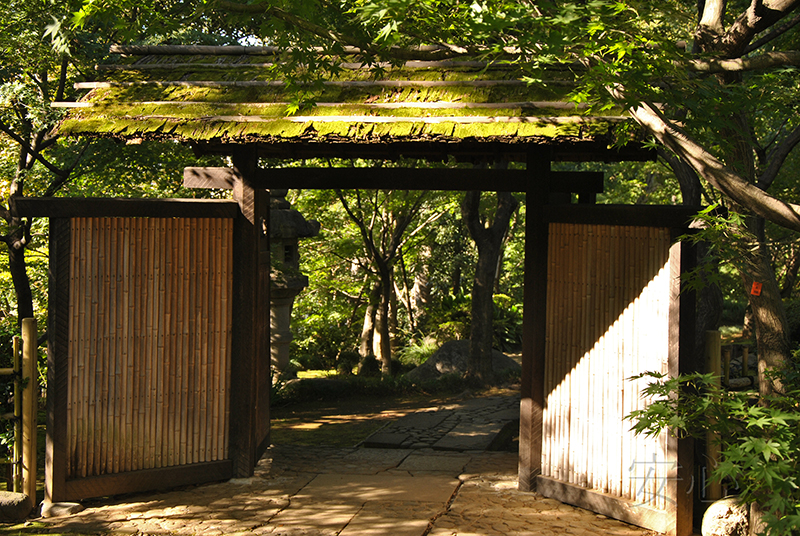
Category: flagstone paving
<point>319,491</point>
<point>419,490</point>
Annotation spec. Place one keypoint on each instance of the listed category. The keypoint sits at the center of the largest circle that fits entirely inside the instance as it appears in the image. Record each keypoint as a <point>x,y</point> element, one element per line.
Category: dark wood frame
<point>676,521</point>
<point>249,422</point>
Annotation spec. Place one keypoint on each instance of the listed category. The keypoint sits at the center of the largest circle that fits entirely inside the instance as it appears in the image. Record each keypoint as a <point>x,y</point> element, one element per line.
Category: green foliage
<point>342,387</point>
<point>416,353</point>
<point>759,439</point>
<point>507,323</point>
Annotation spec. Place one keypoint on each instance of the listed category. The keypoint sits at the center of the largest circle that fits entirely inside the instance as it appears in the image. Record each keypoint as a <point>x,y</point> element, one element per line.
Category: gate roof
<point>219,97</point>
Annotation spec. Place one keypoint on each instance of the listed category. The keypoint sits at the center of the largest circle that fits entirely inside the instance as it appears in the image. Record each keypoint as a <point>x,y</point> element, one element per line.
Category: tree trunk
<point>769,314</point>
<point>382,324</point>
<point>368,331</point>
<point>489,240</point>
<point>19,273</point>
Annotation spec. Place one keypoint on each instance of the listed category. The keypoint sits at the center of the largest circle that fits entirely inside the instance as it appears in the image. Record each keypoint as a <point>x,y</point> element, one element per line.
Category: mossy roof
<point>212,95</point>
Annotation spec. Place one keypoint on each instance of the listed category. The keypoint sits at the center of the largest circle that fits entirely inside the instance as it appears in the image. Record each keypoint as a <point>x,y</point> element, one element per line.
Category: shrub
<point>759,440</point>
<point>416,353</point>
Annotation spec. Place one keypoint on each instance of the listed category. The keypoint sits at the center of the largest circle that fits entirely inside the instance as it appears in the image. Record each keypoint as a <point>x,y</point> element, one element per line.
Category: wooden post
<point>534,322</point>
<point>250,378</point>
<point>17,415</point>
<point>726,366</point>
<point>29,407</point>
<point>714,366</point>
<point>745,359</point>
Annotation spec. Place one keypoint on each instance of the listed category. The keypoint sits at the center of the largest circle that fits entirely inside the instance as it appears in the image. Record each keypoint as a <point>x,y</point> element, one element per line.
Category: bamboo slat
<point>608,306</point>
<point>150,337</point>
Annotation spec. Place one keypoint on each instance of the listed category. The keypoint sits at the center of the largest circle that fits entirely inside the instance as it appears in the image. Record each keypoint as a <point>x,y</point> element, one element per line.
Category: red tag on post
<point>756,290</point>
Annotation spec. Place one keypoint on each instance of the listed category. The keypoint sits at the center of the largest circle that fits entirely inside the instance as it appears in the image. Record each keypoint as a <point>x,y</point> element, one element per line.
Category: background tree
<point>489,231</point>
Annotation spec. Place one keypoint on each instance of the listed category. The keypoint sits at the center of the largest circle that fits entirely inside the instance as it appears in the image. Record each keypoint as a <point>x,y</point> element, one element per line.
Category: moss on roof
<point>200,98</point>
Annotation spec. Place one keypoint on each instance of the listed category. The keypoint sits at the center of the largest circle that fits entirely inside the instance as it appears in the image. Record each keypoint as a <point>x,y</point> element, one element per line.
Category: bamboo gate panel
<point>608,308</point>
<point>148,351</point>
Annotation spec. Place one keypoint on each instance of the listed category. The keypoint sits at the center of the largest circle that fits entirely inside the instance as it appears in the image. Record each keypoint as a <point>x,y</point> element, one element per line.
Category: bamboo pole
<point>29,405</point>
<point>745,361</point>
<point>128,370</point>
<point>17,371</point>
<point>118,313</point>
<point>206,334</point>
<point>557,351</point>
<point>140,356</point>
<point>600,473</point>
<point>170,321</point>
<point>186,422</point>
<point>547,416</point>
<point>726,366</point>
<point>228,335</point>
<point>714,360</point>
<point>220,323</point>
<point>629,467</point>
<point>104,364</point>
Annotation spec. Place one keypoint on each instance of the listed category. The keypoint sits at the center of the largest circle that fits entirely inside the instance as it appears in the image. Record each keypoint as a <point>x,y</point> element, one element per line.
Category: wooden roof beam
<point>453,179</point>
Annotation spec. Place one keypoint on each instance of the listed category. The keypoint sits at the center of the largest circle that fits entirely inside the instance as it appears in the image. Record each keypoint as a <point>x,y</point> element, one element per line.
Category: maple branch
<point>36,154</point>
<point>764,61</point>
<point>778,157</point>
<point>422,53</point>
<point>775,33</point>
<point>715,172</point>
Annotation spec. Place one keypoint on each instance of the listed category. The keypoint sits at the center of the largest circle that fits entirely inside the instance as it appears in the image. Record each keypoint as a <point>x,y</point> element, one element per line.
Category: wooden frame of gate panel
<point>677,518</point>
<point>249,394</point>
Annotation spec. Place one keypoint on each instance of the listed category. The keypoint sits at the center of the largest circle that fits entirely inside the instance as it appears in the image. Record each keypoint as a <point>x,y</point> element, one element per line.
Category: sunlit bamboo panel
<point>149,343</point>
<point>608,320</point>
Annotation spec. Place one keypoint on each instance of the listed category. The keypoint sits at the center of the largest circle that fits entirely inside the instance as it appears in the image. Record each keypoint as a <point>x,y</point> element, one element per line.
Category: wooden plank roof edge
<point>372,119</point>
<point>172,50</point>
<point>439,105</point>
<point>281,83</point>
<point>414,64</point>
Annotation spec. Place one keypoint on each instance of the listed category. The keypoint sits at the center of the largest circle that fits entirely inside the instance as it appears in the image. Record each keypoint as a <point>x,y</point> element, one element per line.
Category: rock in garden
<point>452,358</point>
<point>14,506</point>
<point>726,517</point>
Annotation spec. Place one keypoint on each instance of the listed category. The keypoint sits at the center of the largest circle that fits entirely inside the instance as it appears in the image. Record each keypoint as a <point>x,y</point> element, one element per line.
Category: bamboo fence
<point>608,320</point>
<point>149,343</point>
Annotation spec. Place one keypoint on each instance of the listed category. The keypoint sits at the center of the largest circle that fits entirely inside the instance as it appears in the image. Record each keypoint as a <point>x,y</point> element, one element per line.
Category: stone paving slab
<point>469,425</point>
<point>393,518</point>
<point>469,436</point>
<point>417,462</point>
<point>359,489</point>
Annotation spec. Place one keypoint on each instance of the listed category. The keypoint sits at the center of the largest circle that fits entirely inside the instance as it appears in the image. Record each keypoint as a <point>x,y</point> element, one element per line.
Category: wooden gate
<point>612,310</point>
<point>155,379</point>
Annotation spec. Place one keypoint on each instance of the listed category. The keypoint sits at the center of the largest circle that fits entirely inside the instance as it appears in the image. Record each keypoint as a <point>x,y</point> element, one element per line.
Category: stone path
<point>471,425</point>
<point>448,484</point>
<point>319,491</point>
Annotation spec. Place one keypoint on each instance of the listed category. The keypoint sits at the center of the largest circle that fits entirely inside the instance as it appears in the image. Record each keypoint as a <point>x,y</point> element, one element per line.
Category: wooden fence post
<point>29,407</point>
<point>714,361</point>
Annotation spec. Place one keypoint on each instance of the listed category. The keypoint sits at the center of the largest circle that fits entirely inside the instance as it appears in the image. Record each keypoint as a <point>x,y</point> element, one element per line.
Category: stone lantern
<point>286,281</point>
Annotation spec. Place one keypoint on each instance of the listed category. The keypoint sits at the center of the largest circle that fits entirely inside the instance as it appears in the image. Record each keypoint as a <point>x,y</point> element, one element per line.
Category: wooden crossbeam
<point>507,180</point>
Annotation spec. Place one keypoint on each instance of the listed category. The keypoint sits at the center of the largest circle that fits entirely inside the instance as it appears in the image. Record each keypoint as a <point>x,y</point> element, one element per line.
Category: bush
<point>506,323</point>
<point>759,440</point>
<point>416,353</point>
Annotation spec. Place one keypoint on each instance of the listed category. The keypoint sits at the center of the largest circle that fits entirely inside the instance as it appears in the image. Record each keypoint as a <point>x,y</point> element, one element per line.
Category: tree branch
<point>715,172</point>
<point>422,53</point>
<point>775,33</point>
<point>13,135</point>
<point>768,60</point>
<point>758,17</point>
<point>294,20</point>
<point>777,158</point>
